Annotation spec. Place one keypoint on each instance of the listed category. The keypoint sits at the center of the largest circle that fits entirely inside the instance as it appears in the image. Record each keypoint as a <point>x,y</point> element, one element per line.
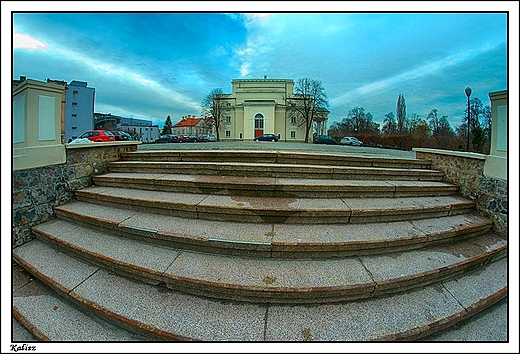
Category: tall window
<point>259,121</point>
<point>228,119</point>
<point>228,133</point>
<point>293,134</point>
<point>293,120</point>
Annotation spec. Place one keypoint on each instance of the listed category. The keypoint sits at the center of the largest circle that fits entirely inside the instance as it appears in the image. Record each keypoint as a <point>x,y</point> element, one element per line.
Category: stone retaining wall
<point>467,171</point>
<point>36,191</point>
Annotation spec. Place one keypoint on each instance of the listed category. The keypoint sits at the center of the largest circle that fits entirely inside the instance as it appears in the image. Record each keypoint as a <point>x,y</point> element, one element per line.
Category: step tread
<point>269,182</point>
<point>490,325</point>
<point>174,315</point>
<point>47,316</point>
<point>272,239</point>
<point>269,278</point>
<point>286,210</point>
<point>278,170</point>
<point>275,156</point>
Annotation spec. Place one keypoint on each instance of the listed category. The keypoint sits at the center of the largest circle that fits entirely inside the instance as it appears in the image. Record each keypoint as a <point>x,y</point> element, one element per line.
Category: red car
<point>98,135</point>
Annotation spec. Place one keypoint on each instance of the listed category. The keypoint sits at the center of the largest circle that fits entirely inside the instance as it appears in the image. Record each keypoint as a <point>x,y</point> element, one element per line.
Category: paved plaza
<point>281,145</point>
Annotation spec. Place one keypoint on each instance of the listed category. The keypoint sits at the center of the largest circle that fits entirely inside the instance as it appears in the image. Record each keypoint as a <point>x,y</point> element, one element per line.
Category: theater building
<point>257,106</point>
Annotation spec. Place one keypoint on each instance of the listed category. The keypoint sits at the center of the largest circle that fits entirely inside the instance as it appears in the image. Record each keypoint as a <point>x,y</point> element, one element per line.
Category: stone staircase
<point>215,245</point>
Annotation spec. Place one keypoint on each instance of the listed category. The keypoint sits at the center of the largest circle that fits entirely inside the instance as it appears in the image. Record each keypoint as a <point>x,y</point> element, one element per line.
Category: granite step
<point>273,240</point>
<point>47,316</point>
<point>275,157</point>
<point>269,280</point>
<point>489,325</point>
<point>255,169</point>
<point>274,187</point>
<point>161,313</point>
<point>277,210</point>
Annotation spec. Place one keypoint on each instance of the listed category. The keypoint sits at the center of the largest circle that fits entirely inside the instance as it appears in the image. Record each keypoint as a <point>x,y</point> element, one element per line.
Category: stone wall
<point>467,171</point>
<point>36,191</point>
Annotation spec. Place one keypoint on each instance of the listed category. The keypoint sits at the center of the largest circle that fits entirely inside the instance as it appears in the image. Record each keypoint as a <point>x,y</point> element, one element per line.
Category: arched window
<point>259,121</point>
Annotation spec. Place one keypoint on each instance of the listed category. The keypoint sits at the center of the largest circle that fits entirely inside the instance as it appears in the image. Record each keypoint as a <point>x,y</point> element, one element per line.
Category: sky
<point>151,65</point>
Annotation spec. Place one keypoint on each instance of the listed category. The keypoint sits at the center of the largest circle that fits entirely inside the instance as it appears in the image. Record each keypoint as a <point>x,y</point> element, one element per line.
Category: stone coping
<point>102,144</point>
<point>469,155</point>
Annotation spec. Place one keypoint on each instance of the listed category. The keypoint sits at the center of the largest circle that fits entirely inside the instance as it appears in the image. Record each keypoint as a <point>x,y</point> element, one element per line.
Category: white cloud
<point>245,69</point>
<point>26,42</point>
<point>429,68</point>
<point>124,74</point>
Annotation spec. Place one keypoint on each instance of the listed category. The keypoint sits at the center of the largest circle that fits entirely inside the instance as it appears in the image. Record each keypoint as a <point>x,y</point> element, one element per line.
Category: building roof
<point>187,122</point>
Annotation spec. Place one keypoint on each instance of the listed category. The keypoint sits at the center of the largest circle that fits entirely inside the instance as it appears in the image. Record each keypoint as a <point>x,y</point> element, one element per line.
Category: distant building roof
<point>187,121</point>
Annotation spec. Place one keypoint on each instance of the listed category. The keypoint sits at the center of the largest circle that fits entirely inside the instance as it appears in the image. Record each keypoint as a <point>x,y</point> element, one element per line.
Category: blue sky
<point>150,65</point>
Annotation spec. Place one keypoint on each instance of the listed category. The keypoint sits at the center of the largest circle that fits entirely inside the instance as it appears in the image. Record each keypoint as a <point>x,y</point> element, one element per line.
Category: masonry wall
<point>36,191</point>
<point>489,193</point>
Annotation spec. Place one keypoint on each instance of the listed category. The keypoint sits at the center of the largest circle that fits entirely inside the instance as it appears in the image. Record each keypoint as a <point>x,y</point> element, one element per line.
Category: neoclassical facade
<point>257,106</point>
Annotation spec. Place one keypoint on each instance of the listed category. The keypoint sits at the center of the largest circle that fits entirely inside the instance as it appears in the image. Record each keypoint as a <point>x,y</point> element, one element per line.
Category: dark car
<point>324,139</point>
<point>121,136</point>
<point>98,135</point>
<point>167,138</point>
<point>266,137</point>
<point>201,138</point>
<point>126,136</point>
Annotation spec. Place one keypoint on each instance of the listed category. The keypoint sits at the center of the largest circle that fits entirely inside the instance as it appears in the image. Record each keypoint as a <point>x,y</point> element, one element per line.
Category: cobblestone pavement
<point>286,146</point>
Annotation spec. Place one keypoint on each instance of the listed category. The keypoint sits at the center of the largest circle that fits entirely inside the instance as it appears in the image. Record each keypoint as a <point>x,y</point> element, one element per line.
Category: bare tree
<point>213,107</point>
<point>310,101</point>
<point>390,126</point>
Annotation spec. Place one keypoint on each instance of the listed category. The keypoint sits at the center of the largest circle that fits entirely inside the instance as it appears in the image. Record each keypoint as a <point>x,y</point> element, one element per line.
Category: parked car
<point>201,138</point>
<point>266,137</point>
<point>167,138</point>
<point>211,137</point>
<point>98,135</point>
<point>187,138</point>
<point>324,139</point>
<point>126,136</point>
<point>121,136</point>
<point>350,140</point>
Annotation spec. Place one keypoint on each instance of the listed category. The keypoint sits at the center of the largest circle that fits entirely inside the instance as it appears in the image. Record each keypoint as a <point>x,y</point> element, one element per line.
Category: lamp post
<point>468,93</point>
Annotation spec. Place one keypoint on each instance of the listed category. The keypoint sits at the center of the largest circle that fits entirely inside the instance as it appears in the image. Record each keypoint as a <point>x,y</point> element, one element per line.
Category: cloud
<point>430,68</point>
<point>23,41</point>
<point>245,69</point>
<point>126,75</point>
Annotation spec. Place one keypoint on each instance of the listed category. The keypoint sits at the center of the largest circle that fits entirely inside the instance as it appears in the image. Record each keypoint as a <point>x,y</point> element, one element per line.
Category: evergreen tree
<point>401,114</point>
<point>167,129</point>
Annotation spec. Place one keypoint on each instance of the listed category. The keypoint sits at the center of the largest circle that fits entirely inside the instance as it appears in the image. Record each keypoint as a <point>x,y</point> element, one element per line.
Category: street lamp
<point>468,93</point>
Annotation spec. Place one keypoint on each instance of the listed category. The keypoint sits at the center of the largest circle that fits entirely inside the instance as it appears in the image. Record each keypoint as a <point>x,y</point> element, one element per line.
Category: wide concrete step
<point>277,210</point>
<point>255,169</point>
<point>51,317</point>
<point>274,187</point>
<point>273,240</point>
<point>275,157</point>
<point>270,280</point>
<point>162,313</point>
